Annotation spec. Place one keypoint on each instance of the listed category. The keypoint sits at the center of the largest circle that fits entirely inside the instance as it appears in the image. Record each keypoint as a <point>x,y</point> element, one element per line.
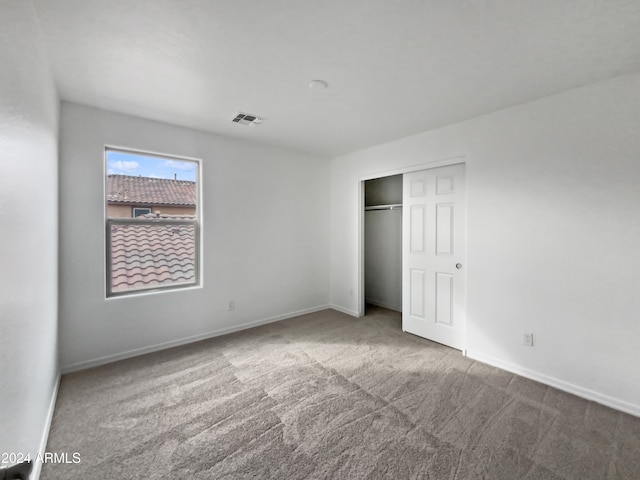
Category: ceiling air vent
<point>247,119</point>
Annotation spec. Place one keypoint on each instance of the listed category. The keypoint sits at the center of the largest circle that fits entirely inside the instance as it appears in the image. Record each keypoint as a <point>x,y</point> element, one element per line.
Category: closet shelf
<point>393,206</point>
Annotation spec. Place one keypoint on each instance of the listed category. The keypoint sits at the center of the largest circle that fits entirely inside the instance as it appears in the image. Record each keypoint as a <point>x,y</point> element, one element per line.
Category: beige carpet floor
<point>327,396</point>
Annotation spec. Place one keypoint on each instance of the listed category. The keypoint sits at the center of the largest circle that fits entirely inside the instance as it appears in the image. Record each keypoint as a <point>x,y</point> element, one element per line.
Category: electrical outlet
<point>231,306</point>
<point>528,339</point>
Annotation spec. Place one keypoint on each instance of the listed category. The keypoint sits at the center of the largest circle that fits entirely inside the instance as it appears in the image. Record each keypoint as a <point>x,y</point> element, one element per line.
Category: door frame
<point>361,204</point>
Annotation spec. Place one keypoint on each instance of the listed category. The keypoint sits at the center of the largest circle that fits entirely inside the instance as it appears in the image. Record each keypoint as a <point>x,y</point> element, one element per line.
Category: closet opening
<point>383,244</point>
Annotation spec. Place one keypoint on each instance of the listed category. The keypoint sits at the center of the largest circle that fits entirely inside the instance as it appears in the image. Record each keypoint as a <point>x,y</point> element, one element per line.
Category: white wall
<point>28,231</point>
<point>265,238</point>
<point>383,258</point>
<point>383,243</point>
<point>553,196</point>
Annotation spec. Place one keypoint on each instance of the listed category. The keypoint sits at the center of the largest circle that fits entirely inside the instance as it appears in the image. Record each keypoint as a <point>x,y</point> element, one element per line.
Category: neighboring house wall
<point>119,211</point>
<point>126,211</point>
<point>170,210</point>
<point>29,243</point>
<point>553,189</point>
<point>265,225</point>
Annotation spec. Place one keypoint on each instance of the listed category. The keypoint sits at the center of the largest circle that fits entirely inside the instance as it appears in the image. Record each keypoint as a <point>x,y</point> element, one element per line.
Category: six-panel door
<point>433,280</point>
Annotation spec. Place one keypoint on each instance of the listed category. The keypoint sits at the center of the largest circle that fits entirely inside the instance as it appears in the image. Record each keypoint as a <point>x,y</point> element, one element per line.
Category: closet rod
<point>395,206</point>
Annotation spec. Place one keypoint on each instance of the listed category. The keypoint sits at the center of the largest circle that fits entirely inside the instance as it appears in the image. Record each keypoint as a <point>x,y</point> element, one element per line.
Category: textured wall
<point>29,232</point>
<point>552,234</point>
<point>265,224</point>
<point>383,243</point>
<point>126,211</point>
<point>383,258</point>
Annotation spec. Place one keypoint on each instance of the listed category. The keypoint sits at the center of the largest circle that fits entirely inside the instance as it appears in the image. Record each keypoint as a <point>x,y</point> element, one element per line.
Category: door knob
<point>458,266</point>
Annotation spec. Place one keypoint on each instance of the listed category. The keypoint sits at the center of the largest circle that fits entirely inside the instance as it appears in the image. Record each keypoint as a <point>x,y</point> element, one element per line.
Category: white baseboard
<point>37,464</point>
<point>352,313</point>
<point>615,403</point>
<point>74,367</point>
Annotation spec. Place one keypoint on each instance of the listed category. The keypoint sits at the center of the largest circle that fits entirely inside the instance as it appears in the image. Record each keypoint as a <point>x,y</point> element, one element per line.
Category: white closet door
<point>433,279</point>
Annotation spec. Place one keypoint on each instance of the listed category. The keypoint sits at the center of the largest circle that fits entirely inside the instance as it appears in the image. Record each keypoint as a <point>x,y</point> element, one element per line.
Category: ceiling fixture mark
<point>318,84</point>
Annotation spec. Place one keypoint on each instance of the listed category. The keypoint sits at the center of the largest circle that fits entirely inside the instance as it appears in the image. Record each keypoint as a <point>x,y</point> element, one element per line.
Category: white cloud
<point>179,165</point>
<point>124,166</point>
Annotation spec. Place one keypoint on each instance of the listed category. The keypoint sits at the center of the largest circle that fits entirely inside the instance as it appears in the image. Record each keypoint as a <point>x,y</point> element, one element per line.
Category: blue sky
<point>125,163</point>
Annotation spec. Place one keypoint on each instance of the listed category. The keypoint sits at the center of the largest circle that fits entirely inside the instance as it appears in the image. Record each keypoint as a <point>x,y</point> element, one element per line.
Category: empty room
<point>320,240</point>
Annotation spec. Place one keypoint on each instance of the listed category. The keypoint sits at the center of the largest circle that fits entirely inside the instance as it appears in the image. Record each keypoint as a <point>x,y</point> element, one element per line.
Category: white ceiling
<point>394,67</point>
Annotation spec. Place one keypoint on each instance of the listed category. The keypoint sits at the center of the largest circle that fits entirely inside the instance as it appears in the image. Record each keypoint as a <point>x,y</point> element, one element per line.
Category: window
<point>150,252</point>
<point>137,211</point>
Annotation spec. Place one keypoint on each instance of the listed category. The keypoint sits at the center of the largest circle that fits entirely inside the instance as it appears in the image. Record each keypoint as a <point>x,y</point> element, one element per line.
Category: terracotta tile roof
<point>151,255</point>
<point>150,191</point>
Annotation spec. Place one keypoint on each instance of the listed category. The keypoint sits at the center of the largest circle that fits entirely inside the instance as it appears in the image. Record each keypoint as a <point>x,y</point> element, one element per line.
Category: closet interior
<point>383,242</point>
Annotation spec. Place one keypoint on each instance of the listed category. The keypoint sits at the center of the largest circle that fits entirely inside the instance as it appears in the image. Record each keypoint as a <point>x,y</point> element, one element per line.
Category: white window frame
<point>150,210</point>
<point>196,222</point>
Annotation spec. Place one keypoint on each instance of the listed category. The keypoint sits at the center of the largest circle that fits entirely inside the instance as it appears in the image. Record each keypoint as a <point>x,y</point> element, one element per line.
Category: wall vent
<point>247,119</point>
